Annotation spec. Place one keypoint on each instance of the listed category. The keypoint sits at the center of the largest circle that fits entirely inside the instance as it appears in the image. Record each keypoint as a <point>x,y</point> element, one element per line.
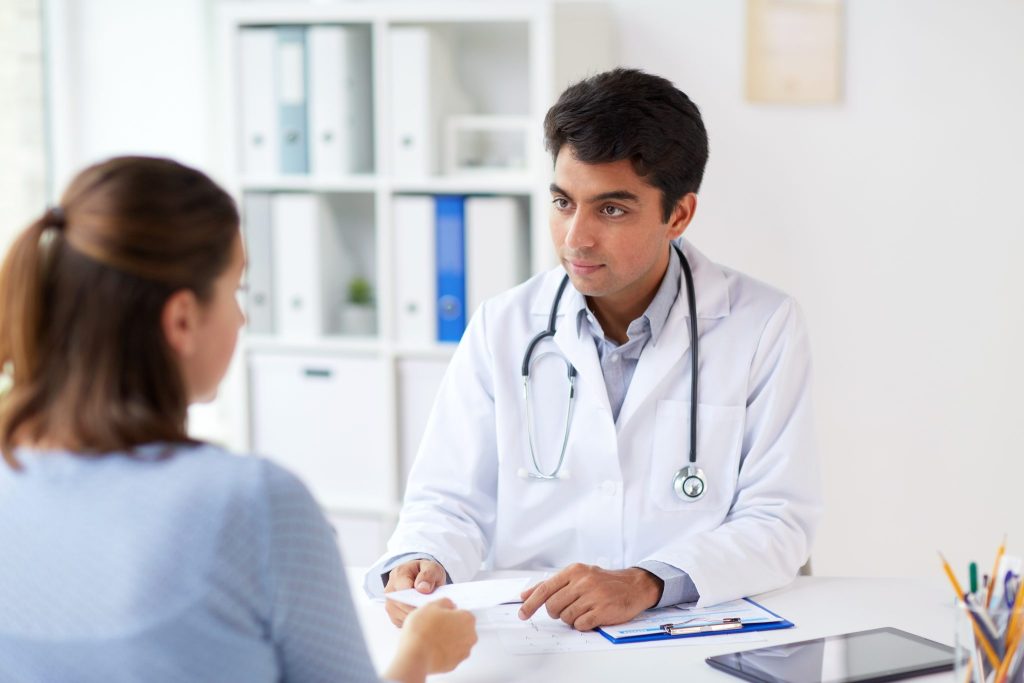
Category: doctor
<point>590,471</point>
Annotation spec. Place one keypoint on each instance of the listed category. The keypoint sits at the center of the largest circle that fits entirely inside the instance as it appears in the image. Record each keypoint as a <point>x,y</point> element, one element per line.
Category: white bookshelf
<point>513,59</point>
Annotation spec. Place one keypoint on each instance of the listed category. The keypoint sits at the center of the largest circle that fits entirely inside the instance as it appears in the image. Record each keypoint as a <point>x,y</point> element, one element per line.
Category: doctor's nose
<point>580,232</point>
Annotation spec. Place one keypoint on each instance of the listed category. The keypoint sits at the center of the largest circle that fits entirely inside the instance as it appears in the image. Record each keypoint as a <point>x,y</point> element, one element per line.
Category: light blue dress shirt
<point>178,564</point>
<point>618,364</point>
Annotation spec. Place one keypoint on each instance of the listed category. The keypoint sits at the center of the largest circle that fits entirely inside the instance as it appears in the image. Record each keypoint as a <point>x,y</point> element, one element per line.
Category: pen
<point>995,571</point>
<point>727,624</point>
<point>984,622</point>
<point>989,652</point>
<point>972,572</point>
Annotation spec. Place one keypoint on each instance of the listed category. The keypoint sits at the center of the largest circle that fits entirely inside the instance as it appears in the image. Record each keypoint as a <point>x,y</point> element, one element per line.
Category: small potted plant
<point>358,314</point>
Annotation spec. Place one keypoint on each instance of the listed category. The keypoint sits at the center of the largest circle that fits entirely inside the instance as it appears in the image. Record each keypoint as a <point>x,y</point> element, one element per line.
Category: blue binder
<point>450,227</point>
<point>292,98</point>
<point>747,628</point>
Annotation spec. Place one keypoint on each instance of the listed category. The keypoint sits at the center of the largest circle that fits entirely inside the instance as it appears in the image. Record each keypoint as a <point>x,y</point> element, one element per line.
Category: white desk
<point>812,603</point>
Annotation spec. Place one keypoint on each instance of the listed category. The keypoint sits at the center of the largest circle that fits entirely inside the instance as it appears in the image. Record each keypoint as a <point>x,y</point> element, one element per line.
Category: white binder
<point>259,267</point>
<point>341,132</point>
<point>299,259</point>
<point>415,270</point>
<point>258,102</point>
<point>496,247</point>
<point>423,90</point>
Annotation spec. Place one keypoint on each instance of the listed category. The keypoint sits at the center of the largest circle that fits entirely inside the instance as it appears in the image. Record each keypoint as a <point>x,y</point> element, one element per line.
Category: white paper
<point>543,635</point>
<point>651,621</point>
<point>471,595</point>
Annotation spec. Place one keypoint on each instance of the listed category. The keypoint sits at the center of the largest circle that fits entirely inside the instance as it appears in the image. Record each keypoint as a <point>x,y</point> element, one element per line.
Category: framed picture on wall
<point>794,51</point>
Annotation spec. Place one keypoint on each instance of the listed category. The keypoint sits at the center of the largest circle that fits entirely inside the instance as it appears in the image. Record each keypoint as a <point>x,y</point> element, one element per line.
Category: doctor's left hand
<point>586,596</point>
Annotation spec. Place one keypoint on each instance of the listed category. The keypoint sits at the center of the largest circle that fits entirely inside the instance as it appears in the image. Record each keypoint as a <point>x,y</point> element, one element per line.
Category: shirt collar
<point>657,311</point>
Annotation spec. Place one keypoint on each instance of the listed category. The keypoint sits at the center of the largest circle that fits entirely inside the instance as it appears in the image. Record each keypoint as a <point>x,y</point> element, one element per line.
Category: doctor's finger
<point>558,601</point>
<point>541,592</point>
<point>572,611</point>
<point>430,576</point>
<point>397,612</point>
<point>589,620</point>
<point>402,577</point>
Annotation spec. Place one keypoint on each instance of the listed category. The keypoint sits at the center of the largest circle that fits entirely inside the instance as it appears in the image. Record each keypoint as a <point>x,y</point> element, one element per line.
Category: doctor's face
<point>607,227</point>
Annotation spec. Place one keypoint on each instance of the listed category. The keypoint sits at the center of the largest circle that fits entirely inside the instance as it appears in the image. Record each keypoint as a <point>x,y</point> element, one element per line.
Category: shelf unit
<point>354,407</point>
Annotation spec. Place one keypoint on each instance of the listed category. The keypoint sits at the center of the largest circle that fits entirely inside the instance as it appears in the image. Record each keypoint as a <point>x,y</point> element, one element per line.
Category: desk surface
<point>812,603</point>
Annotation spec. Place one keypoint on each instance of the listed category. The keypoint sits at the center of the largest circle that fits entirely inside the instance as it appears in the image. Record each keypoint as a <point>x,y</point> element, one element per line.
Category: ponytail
<point>22,297</point>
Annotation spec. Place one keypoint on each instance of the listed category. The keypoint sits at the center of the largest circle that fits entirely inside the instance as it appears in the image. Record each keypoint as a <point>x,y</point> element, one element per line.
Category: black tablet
<point>881,654</point>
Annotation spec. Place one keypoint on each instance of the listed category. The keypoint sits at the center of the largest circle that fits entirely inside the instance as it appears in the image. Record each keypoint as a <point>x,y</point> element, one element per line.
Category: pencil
<point>1004,669</point>
<point>1014,624</point>
<point>995,572</point>
<point>978,635</point>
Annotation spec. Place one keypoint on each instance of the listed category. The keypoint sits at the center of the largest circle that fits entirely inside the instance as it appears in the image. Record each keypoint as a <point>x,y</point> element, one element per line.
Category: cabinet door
<point>324,418</point>
<point>362,538</point>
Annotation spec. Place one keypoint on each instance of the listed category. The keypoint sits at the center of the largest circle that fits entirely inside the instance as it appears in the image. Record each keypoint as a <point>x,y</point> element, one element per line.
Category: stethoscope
<point>689,482</point>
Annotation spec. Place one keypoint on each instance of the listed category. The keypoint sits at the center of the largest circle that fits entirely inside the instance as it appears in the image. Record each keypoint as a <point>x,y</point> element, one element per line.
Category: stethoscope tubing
<point>549,331</point>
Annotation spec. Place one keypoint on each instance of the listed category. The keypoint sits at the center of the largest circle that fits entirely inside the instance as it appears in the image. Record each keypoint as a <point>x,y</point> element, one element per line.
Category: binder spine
<point>292,87</point>
<point>451,268</point>
<point>259,304</point>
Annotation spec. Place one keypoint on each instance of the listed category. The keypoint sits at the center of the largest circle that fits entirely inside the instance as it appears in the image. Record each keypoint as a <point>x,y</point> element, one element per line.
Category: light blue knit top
<point>201,566</point>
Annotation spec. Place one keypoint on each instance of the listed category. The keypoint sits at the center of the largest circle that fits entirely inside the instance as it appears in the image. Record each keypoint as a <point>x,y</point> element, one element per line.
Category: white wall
<point>894,219</point>
<point>891,217</point>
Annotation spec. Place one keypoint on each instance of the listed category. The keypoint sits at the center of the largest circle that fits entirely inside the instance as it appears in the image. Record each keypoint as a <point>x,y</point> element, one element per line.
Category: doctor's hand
<point>424,575</point>
<point>586,597</point>
<point>435,639</point>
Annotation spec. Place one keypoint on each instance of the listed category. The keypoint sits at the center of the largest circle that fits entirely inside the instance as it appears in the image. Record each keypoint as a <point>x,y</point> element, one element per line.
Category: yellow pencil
<point>1004,668</point>
<point>978,635</point>
<point>1015,609</point>
<point>995,573</point>
<point>1012,635</point>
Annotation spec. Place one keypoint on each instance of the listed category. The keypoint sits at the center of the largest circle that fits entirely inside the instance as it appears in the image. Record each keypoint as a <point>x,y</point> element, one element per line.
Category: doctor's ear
<point>682,214</point>
<point>180,322</point>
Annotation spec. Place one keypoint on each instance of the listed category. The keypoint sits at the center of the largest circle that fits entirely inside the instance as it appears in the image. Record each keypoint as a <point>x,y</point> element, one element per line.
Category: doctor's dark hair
<point>82,293</point>
<point>629,114</point>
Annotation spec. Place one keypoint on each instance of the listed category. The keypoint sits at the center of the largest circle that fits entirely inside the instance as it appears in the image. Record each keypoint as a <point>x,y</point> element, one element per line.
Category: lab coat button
<point>608,488</point>
<point>602,562</point>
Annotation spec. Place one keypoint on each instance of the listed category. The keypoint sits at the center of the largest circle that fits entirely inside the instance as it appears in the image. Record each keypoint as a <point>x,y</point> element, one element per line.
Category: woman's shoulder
<point>242,474</point>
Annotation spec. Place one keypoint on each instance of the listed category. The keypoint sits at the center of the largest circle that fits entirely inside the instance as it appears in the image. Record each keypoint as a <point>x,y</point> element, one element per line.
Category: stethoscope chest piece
<point>690,483</point>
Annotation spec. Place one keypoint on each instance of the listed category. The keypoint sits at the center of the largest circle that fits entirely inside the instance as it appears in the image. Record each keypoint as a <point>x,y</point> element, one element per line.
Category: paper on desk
<point>470,595</point>
<point>543,635</point>
<point>650,622</point>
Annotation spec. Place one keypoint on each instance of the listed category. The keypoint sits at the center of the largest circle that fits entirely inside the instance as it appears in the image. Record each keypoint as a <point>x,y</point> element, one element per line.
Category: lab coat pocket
<point>719,439</point>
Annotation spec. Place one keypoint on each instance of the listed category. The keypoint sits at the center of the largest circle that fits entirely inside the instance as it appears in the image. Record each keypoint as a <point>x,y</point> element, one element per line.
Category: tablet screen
<point>881,654</point>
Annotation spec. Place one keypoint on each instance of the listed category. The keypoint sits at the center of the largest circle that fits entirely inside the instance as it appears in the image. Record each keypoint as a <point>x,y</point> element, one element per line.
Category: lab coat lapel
<point>659,361</point>
<point>578,347</point>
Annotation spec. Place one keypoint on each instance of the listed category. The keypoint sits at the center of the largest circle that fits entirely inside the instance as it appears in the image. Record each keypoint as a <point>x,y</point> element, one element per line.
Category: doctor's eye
<point>560,203</point>
<point>612,211</point>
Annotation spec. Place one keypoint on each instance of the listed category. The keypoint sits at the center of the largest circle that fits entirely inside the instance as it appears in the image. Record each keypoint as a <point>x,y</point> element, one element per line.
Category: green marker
<point>973,567</point>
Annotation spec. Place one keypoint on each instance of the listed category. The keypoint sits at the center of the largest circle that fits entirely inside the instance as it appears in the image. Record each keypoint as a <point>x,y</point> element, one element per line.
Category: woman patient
<point>128,551</point>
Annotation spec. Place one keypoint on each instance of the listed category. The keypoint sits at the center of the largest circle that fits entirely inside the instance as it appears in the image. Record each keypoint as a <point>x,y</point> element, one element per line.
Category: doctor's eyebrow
<point>620,195</point>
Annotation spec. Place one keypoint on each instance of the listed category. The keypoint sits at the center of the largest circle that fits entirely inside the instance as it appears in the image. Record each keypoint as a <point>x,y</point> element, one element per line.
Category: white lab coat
<point>468,504</point>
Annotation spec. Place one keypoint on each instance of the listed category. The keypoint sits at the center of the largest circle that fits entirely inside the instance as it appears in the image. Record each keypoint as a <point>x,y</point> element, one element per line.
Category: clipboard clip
<point>682,629</point>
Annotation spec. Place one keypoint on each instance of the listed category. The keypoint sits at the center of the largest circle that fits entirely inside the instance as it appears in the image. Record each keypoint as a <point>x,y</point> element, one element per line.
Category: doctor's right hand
<point>423,575</point>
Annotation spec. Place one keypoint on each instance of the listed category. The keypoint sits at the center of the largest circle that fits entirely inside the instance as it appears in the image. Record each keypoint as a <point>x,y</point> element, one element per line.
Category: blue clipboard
<point>746,628</point>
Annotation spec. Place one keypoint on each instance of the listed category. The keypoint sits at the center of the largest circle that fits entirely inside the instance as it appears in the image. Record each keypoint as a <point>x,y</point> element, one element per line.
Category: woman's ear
<point>180,322</point>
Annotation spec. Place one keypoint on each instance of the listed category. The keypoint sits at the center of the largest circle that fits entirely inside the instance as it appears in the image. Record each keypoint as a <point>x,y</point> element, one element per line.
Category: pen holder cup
<point>989,647</point>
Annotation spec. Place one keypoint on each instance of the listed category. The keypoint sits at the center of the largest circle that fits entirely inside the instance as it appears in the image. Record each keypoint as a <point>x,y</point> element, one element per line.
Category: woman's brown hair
<point>82,291</point>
